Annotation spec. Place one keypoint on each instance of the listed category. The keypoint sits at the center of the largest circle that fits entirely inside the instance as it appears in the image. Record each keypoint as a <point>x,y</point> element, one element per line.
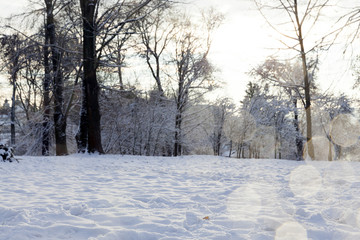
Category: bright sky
<point>242,42</point>
<point>245,40</point>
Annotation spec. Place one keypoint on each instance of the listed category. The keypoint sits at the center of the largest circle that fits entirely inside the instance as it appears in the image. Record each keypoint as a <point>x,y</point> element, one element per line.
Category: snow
<point>112,197</point>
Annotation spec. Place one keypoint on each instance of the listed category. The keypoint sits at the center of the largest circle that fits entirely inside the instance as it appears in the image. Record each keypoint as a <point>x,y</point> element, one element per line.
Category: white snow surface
<point>110,197</point>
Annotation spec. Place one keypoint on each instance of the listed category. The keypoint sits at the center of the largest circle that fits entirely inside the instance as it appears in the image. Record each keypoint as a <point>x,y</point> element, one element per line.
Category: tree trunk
<point>14,71</point>
<point>310,145</point>
<point>330,158</point>
<point>178,117</point>
<point>90,84</point>
<point>231,143</point>
<point>13,45</point>
<point>218,142</point>
<point>298,139</point>
<point>120,60</point>
<point>12,113</point>
<point>82,134</point>
<point>46,95</point>
<point>275,153</point>
<point>120,77</point>
<point>177,144</point>
<point>250,150</point>
<point>157,78</point>
<point>58,89</point>
<point>238,151</point>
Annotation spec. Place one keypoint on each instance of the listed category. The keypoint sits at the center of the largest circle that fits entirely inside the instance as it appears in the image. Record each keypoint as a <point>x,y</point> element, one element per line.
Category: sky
<point>245,40</point>
<point>241,42</point>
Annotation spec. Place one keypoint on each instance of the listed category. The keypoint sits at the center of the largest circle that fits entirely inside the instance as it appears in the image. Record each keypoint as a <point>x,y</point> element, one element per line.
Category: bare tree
<point>46,35</point>
<point>58,85</point>
<point>193,69</point>
<point>89,130</point>
<point>28,87</point>
<point>240,129</point>
<point>298,15</point>
<point>287,78</point>
<point>101,25</point>
<point>11,51</point>
<point>115,54</point>
<point>156,32</point>
<point>221,110</point>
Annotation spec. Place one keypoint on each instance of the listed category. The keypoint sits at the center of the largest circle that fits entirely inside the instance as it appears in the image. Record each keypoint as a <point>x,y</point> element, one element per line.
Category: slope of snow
<point>197,197</point>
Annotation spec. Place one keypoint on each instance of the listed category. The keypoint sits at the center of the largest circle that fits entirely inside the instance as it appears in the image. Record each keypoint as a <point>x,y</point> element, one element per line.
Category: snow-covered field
<point>197,197</point>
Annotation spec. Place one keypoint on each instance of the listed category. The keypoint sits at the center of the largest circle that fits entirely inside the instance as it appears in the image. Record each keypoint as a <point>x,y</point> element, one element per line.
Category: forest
<point>76,73</point>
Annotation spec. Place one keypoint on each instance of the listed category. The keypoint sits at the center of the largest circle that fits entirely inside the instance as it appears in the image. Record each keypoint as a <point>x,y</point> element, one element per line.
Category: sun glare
<point>305,181</point>
<point>291,230</point>
<point>244,203</point>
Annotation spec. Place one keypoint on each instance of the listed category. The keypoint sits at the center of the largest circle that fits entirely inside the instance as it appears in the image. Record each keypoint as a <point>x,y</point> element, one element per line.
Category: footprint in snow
<point>192,222</point>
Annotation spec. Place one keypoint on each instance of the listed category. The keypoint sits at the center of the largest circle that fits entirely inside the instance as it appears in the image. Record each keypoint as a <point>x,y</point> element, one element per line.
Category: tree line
<point>66,60</point>
<point>69,73</point>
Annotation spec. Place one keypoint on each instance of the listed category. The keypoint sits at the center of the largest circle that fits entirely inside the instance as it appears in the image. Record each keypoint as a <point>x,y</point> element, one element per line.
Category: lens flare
<point>345,130</point>
<point>338,177</point>
<point>291,230</point>
<point>305,181</point>
<point>243,203</point>
<point>323,149</point>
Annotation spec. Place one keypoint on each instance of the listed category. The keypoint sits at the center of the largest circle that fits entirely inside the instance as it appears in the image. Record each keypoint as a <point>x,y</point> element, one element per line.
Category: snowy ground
<point>199,197</point>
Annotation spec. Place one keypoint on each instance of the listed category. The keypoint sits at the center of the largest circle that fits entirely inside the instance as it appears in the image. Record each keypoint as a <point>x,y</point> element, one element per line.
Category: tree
<point>274,132</point>
<point>285,78</point>
<point>221,110</point>
<point>59,116</point>
<point>54,69</point>
<point>116,56</point>
<point>240,129</point>
<point>11,55</point>
<point>106,25</point>
<point>193,69</point>
<point>46,99</point>
<point>299,14</point>
<point>156,32</point>
<point>90,134</point>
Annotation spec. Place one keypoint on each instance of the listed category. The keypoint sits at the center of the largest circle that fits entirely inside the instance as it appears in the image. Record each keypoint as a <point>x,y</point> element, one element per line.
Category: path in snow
<point>144,198</point>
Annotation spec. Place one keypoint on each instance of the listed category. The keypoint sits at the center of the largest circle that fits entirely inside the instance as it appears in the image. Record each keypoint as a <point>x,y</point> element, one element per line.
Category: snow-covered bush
<point>6,153</point>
